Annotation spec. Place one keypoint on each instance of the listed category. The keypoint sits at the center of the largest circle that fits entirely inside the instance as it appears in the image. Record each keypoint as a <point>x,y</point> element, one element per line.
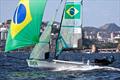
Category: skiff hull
<point>53,64</point>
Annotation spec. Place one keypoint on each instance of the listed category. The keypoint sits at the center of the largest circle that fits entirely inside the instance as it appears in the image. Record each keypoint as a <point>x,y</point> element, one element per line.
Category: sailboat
<point>25,31</point>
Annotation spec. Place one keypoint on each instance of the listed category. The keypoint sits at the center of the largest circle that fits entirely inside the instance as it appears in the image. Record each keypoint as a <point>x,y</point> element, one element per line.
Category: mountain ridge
<point>109,27</point>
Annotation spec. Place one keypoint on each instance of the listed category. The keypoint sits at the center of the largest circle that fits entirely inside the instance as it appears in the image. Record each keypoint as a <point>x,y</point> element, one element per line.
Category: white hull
<point>53,64</point>
<point>79,59</point>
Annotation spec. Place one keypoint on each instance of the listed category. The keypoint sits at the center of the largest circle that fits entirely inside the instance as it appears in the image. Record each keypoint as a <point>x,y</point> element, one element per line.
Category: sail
<point>71,30</point>
<point>25,26</point>
<point>42,47</point>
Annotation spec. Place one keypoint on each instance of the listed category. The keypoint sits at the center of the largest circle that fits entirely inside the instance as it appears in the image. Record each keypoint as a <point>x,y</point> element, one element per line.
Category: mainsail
<point>25,26</point>
<point>71,29</point>
<point>43,46</point>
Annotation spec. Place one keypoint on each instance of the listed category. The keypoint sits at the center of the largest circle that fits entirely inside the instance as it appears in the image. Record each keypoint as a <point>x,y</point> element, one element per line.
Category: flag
<point>72,14</point>
<point>25,26</point>
<point>72,11</point>
<point>21,18</point>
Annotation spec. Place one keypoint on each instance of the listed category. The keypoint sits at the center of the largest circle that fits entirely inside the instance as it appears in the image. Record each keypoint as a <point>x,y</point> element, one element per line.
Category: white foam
<point>84,68</point>
<point>110,68</point>
<point>76,67</point>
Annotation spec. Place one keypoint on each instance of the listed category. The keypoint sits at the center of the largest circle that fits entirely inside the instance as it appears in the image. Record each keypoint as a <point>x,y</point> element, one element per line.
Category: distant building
<point>103,36</point>
<point>99,37</point>
<point>3,33</point>
<point>4,30</point>
<point>90,35</point>
<point>85,34</point>
<point>115,36</point>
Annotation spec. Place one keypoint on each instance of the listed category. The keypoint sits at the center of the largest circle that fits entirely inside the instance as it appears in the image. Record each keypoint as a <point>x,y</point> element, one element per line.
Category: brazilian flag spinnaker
<point>25,26</point>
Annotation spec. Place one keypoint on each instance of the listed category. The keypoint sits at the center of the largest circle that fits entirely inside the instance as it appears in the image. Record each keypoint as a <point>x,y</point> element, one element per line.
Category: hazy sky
<point>95,12</point>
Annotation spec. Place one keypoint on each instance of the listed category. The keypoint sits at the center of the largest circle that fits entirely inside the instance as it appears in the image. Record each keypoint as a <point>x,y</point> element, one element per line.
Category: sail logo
<point>21,18</point>
<point>72,11</point>
<point>20,14</point>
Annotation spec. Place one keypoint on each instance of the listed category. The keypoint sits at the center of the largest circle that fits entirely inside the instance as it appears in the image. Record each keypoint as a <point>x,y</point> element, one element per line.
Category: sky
<point>95,12</point>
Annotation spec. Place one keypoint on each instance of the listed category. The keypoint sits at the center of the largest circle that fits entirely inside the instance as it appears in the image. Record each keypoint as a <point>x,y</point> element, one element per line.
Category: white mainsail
<point>71,29</point>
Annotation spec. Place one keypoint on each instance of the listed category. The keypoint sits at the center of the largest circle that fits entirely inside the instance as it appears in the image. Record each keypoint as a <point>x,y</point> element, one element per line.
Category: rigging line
<point>82,13</point>
<point>82,4</point>
<point>61,21</point>
<point>57,9</point>
<point>56,12</point>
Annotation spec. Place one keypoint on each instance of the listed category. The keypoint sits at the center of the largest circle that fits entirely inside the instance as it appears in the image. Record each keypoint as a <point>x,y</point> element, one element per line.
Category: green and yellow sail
<point>25,26</point>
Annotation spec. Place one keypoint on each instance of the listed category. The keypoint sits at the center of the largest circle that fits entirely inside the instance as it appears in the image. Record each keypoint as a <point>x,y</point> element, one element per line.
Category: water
<point>12,68</point>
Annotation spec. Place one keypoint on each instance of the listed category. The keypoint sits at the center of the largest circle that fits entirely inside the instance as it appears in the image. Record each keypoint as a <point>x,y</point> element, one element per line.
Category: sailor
<point>94,49</point>
<point>54,36</point>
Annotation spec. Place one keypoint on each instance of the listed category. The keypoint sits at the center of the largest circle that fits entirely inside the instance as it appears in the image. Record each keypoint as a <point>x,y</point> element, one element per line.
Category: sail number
<point>33,63</point>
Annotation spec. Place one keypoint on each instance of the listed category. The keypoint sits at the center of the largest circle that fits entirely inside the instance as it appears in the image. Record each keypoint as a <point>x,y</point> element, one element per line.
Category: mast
<point>80,41</point>
<point>55,35</point>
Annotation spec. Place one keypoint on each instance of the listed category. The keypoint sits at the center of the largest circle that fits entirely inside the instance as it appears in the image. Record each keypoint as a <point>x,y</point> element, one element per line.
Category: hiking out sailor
<point>54,35</point>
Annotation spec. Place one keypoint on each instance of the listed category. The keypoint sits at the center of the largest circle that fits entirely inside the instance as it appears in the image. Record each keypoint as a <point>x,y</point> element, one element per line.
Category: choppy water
<point>16,69</point>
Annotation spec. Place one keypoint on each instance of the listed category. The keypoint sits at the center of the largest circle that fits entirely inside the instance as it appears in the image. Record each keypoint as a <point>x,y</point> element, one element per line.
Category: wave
<point>84,68</point>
